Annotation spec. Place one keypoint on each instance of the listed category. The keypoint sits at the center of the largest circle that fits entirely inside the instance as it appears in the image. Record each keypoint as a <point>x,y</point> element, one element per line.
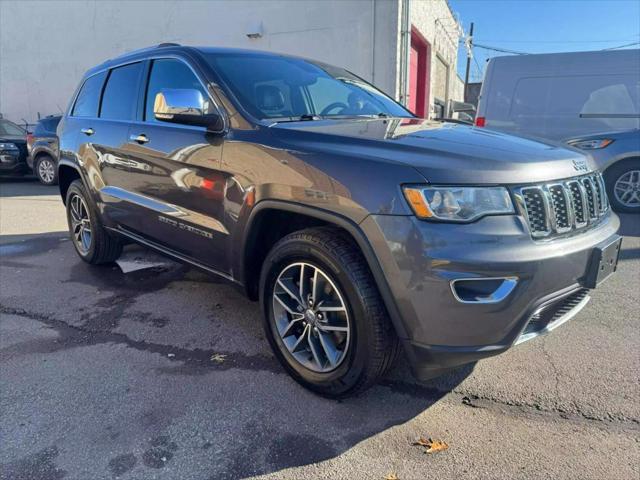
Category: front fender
<point>241,243</point>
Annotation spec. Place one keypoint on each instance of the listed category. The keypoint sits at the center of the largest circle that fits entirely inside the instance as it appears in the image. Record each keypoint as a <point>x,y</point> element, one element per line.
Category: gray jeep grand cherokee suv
<point>360,228</point>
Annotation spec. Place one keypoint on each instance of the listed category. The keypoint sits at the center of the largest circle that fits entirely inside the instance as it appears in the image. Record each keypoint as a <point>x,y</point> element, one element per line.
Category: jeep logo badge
<point>580,165</point>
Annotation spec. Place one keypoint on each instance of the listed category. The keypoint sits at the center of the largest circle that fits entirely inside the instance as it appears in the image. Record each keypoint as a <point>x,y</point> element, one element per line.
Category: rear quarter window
<point>88,99</point>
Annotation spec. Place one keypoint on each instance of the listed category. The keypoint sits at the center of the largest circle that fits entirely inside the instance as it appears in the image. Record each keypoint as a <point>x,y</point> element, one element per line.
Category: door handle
<point>142,138</point>
<point>88,131</point>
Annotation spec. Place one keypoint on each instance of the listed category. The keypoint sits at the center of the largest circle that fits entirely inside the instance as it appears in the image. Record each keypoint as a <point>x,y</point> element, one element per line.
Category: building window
<point>440,88</point>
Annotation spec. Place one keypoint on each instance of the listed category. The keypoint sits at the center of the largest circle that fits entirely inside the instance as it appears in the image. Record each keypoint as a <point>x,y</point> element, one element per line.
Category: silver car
<point>617,155</point>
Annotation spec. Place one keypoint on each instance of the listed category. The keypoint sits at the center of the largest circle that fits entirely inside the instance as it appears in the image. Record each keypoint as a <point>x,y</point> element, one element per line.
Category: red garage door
<point>418,74</point>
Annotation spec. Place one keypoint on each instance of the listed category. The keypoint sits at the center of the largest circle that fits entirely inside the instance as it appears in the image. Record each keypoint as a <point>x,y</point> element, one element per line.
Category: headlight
<point>8,146</point>
<point>594,144</point>
<point>458,204</point>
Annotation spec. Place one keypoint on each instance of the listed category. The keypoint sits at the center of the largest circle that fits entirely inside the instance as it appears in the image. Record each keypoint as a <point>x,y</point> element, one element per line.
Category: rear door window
<point>89,97</point>
<point>120,96</point>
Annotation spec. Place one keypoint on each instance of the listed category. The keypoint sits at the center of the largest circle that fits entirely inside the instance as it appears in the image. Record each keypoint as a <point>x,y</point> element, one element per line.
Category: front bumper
<point>12,162</point>
<point>420,260</point>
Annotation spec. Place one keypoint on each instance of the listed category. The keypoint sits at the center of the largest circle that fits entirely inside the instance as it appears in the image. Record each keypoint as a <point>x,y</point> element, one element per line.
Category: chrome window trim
<point>159,56</point>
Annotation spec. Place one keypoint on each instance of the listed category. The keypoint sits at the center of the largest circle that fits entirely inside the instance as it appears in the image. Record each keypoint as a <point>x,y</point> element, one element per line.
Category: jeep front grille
<point>561,207</point>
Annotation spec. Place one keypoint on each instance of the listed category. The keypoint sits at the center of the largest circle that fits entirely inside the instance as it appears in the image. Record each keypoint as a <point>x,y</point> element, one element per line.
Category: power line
<point>558,41</point>
<point>622,46</point>
<point>502,50</point>
<point>475,60</point>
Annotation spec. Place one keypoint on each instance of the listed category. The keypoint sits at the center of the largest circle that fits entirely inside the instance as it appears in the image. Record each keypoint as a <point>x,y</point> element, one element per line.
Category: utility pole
<point>468,43</point>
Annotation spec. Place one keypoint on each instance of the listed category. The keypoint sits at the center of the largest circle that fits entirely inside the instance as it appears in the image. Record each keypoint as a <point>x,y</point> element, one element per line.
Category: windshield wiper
<point>307,117</point>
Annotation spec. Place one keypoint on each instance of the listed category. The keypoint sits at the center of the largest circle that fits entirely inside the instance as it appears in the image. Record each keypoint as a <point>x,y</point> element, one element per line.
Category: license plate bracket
<point>604,261</point>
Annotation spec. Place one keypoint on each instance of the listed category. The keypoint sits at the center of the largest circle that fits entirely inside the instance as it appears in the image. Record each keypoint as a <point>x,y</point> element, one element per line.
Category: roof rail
<point>168,44</point>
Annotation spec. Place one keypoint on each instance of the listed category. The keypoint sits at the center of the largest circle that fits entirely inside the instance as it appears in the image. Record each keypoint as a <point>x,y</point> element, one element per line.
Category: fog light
<point>483,290</point>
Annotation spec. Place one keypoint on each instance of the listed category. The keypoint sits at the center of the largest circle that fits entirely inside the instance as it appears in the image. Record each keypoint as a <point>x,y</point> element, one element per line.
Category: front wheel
<point>623,185</point>
<point>323,314</point>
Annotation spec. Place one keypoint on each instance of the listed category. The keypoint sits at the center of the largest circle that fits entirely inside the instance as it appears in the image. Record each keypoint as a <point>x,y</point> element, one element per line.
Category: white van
<point>561,96</point>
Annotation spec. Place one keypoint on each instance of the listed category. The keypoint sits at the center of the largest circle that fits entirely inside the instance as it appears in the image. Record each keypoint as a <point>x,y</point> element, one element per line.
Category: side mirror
<point>462,107</point>
<point>185,106</point>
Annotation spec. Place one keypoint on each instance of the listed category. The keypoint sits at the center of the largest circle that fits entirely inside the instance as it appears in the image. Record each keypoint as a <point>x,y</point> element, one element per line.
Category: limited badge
<point>580,165</point>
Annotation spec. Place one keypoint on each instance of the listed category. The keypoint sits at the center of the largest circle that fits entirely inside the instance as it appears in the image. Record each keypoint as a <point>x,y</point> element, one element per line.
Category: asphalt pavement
<point>164,373</point>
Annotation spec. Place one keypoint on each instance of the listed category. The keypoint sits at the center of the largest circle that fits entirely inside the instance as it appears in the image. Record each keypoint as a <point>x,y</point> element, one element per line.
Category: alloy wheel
<point>627,189</point>
<point>80,223</point>
<point>46,170</point>
<point>311,317</point>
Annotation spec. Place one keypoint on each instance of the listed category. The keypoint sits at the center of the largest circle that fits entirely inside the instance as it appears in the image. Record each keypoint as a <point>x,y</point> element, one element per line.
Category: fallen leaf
<point>218,357</point>
<point>430,445</point>
<point>391,476</point>
<point>436,446</point>
<point>422,442</point>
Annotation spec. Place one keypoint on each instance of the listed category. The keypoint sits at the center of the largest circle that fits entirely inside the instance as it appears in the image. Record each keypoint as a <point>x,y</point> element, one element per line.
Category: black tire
<point>101,247</point>
<point>611,176</point>
<point>373,344</point>
<point>42,161</point>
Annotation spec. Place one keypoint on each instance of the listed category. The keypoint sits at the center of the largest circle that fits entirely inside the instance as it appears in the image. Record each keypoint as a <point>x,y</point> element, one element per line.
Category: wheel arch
<point>289,217</point>
<point>67,173</point>
<point>618,161</point>
<point>41,153</point>
<point>612,173</point>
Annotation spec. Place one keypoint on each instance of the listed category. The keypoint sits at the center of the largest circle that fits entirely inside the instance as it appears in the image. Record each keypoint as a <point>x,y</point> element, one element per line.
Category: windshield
<point>10,128</point>
<point>272,87</point>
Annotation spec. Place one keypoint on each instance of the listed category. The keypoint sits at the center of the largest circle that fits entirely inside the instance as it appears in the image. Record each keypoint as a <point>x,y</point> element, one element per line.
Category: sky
<point>545,26</point>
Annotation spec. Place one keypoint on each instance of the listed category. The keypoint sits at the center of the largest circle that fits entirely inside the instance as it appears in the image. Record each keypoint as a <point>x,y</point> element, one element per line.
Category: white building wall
<point>46,46</point>
<point>437,24</point>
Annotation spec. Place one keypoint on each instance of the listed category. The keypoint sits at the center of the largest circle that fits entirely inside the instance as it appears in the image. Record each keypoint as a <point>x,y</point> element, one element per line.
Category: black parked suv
<point>43,148</point>
<point>360,228</point>
<point>13,149</point>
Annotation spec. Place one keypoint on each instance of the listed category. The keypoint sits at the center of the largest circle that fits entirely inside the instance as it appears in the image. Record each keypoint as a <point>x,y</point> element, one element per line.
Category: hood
<point>18,139</point>
<point>442,152</point>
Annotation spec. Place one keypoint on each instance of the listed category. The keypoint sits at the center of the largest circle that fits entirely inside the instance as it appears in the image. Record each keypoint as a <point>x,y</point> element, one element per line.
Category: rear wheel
<point>323,314</point>
<point>45,170</point>
<point>623,185</point>
<point>90,239</point>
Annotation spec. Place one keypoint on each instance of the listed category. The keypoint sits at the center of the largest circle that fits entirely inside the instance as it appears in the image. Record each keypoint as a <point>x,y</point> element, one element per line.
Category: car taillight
<point>480,121</point>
